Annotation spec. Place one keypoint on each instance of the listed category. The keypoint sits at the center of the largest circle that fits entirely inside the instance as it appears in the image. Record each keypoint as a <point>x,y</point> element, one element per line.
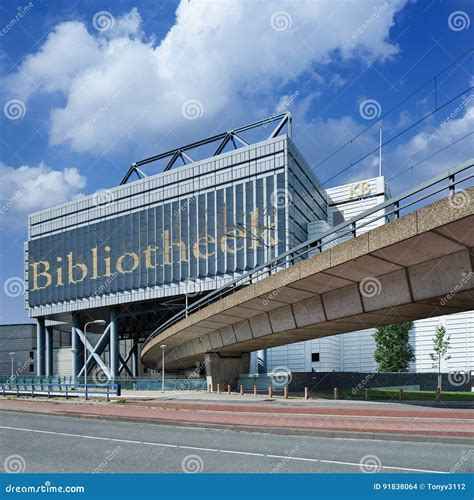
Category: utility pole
<point>380,151</point>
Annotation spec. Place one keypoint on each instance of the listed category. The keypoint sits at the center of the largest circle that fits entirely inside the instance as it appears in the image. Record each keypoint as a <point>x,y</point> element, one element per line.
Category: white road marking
<point>214,450</point>
<point>244,453</point>
<point>185,447</point>
<point>383,467</point>
<point>148,443</point>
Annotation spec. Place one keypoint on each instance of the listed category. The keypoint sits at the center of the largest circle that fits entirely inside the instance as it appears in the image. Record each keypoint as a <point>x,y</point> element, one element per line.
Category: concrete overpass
<point>417,266</point>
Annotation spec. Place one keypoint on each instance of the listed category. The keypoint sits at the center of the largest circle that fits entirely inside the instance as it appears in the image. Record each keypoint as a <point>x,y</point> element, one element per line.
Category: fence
<point>171,384</point>
<point>59,390</point>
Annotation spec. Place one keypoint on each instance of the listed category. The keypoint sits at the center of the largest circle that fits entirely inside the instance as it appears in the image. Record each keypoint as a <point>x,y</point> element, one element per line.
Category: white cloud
<point>317,141</point>
<point>431,138</point>
<point>68,50</point>
<point>26,189</point>
<point>219,53</point>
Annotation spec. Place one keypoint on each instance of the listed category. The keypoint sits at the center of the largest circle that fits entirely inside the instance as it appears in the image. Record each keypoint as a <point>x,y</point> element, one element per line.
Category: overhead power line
<point>433,79</point>
<point>414,124</point>
<point>431,156</point>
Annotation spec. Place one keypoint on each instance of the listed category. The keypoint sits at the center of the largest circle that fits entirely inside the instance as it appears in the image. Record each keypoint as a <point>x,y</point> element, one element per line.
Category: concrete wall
<point>326,381</point>
<point>21,340</point>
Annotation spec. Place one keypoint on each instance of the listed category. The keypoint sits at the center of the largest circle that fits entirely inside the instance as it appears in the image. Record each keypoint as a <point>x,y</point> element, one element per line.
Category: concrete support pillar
<point>40,347</point>
<point>114,343</point>
<point>49,352</point>
<point>135,360</point>
<point>77,346</point>
<point>224,369</point>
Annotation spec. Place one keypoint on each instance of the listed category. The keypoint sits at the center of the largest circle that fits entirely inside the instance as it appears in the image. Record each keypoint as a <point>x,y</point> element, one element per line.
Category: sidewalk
<point>322,418</point>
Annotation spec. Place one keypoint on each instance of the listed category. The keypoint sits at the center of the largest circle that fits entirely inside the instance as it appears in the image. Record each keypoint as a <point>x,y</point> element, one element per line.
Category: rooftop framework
<point>282,121</point>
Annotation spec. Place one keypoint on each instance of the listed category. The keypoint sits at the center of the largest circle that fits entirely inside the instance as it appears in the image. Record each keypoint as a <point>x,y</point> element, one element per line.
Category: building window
<point>32,367</point>
<point>65,339</point>
<point>315,357</point>
<point>337,217</point>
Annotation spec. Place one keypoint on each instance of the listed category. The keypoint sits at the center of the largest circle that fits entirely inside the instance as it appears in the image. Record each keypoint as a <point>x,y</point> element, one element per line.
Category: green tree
<point>440,349</point>
<point>393,351</point>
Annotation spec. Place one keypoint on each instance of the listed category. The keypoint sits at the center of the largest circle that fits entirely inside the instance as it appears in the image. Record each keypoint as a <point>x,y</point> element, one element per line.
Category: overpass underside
<point>418,266</point>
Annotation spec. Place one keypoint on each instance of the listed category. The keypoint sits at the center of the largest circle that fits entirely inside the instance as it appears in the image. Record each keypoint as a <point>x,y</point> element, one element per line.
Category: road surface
<point>43,443</point>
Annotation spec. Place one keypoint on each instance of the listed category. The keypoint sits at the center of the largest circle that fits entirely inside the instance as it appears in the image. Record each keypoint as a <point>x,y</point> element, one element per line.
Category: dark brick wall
<point>358,381</point>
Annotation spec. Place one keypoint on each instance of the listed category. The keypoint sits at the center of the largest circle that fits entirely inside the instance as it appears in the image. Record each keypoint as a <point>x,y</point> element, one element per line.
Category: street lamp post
<point>162,347</point>
<point>95,322</point>
<point>11,355</point>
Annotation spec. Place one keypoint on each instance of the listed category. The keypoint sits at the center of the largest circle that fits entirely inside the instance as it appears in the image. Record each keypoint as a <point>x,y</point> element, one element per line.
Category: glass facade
<point>223,232</point>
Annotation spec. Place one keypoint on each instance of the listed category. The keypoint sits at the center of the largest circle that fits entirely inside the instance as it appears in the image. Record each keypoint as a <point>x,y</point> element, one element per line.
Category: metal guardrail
<point>57,390</point>
<point>171,384</point>
<point>386,210</point>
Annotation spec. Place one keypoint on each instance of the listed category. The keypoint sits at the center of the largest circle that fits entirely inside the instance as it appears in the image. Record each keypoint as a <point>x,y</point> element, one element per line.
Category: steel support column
<point>40,347</point>
<point>135,360</point>
<point>77,346</point>
<point>49,352</point>
<point>114,343</point>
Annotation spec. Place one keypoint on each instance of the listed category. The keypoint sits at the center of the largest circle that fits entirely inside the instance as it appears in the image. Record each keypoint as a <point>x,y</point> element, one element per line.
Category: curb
<point>374,436</point>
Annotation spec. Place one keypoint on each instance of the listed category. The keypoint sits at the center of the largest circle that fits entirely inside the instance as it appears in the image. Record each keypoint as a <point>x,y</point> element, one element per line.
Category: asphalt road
<point>40,443</point>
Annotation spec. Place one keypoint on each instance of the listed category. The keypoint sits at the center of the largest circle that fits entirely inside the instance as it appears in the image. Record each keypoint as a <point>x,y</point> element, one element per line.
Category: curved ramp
<point>415,267</point>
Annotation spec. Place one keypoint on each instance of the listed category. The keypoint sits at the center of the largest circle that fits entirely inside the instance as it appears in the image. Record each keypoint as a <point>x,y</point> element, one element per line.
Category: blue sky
<point>88,87</point>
